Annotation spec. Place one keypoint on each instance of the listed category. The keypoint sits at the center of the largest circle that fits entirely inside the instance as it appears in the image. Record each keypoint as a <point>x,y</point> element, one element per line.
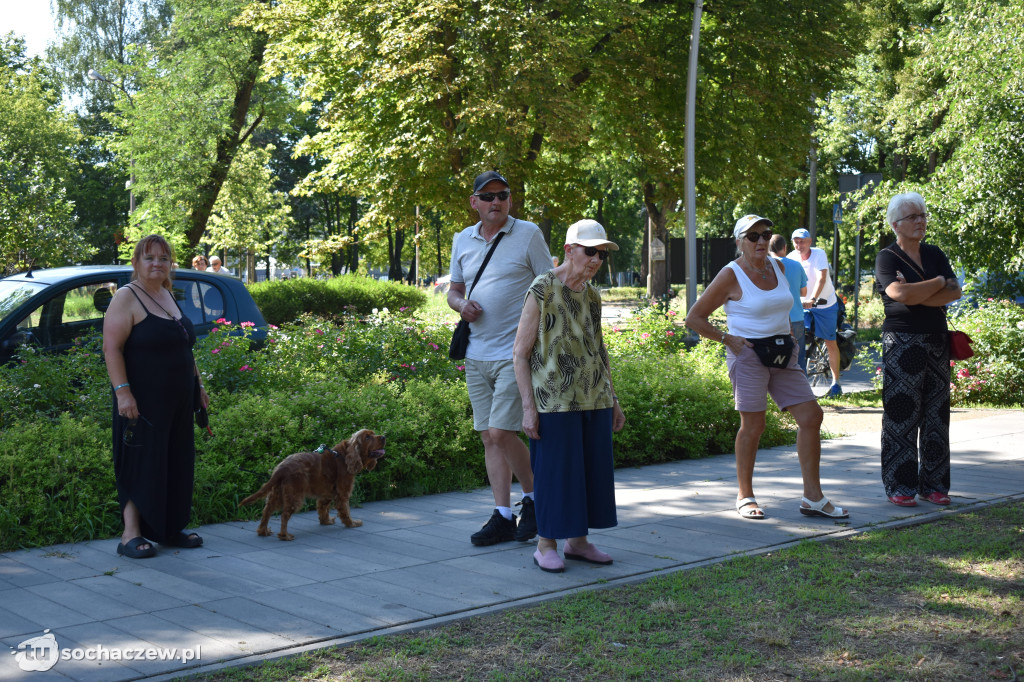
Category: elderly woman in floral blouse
<point>569,405</point>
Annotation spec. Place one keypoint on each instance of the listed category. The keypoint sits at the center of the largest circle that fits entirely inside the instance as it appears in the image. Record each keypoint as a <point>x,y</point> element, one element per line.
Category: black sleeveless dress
<point>154,459</point>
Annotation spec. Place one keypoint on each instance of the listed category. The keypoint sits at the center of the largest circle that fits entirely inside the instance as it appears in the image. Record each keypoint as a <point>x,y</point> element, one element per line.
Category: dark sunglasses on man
<point>488,197</point>
<point>592,250</point>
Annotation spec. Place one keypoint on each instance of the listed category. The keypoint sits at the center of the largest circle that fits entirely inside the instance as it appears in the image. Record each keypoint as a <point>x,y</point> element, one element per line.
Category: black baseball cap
<point>484,178</point>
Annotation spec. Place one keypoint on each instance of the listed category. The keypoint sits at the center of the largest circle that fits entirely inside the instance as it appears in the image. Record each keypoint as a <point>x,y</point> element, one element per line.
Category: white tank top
<point>759,313</point>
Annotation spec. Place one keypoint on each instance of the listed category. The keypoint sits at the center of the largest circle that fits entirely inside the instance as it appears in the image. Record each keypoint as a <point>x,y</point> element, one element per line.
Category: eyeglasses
<point>913,217</point>
<point>591,251</point>
<point>488,197</point>
<point>754,236</point>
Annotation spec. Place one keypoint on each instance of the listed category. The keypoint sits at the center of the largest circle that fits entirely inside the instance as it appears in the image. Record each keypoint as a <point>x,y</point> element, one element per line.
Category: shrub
<point>650,329</point>
<point>995,375</point>
<point>283,301</point>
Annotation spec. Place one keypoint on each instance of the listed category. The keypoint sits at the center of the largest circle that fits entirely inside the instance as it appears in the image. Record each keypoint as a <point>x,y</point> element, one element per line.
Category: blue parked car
<point>53,308</point>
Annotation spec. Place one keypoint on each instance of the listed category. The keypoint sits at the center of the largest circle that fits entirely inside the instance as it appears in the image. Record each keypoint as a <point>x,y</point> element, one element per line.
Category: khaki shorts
<point>494,395</point>
<point>752,382</point>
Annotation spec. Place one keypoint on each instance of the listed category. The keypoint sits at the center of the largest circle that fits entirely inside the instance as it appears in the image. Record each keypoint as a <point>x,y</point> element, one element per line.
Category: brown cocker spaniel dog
<point>328,476</point>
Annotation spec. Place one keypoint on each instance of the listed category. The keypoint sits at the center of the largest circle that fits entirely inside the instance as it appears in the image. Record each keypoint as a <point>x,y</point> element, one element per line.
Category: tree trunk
<point>228,143</point>
<point>657,219</point>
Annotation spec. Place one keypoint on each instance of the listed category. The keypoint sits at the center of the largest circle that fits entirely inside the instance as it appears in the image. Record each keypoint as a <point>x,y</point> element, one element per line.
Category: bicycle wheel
<point>818,371</point>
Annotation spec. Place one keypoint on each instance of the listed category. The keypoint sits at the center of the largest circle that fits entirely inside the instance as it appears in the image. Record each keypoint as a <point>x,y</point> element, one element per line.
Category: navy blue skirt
<point>573,473</point>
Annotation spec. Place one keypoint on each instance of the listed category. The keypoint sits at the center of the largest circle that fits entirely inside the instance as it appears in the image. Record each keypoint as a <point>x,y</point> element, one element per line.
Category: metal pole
<point>812,204</point>
<point>856,279</point>
<point>691,176</point>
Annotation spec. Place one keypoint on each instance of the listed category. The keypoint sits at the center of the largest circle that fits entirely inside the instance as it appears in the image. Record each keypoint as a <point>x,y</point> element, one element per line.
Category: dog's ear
<point>353,460</point>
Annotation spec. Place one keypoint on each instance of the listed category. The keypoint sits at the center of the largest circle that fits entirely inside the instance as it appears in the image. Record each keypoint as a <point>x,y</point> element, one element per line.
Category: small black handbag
<point>774,351</point>
<point>460,337</point>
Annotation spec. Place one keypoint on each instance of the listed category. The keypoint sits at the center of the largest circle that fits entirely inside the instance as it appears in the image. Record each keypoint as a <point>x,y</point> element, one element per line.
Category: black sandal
<point>190,541</point>
<point>131,549</point>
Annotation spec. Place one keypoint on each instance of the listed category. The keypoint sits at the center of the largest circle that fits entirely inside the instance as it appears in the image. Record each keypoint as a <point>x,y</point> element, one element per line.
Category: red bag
<point>959,345</point>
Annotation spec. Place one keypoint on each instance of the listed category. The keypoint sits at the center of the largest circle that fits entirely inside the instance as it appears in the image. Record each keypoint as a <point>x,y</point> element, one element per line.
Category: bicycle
<point>818,370</point>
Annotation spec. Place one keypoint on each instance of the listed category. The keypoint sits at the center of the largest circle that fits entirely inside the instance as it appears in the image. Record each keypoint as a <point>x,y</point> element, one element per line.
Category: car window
<point>70,315</point>
<point>13,294</point>
<point>201,302</point>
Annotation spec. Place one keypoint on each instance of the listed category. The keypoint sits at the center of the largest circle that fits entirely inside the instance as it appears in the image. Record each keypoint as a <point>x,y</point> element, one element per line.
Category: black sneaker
<point>497,529</point>
<point>527,528</point>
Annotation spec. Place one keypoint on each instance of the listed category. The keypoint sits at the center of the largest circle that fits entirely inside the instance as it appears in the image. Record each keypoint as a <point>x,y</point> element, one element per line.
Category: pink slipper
<point>549,561</point>
<point>591,554</point>
<point>937,498</point>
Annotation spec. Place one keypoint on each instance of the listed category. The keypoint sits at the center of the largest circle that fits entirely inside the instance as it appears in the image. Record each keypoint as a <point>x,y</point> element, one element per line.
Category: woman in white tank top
<point>753,291</point>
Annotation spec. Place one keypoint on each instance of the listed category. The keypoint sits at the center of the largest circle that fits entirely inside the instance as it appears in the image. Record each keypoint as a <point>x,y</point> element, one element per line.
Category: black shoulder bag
<point>460,337</point>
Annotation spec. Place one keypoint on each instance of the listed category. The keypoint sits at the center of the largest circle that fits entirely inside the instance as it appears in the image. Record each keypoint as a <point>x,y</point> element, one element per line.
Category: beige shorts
<point>494,395</point>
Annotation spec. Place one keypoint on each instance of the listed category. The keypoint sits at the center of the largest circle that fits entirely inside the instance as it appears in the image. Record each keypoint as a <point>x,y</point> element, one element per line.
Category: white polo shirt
<point>517,260</point>
<point>817,262</point>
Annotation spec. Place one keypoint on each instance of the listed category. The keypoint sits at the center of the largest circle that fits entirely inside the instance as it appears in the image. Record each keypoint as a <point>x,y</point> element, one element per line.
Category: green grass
<point>940,601</point>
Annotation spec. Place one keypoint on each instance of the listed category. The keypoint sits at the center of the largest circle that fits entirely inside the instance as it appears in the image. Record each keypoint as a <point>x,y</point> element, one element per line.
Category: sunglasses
<point>591,251</point>
<point>488,197</point>
<point>754,236</point>
<point>128,437</point>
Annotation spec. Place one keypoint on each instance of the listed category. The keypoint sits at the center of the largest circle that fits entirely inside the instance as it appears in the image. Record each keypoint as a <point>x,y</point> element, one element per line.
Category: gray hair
<point>899,205</point>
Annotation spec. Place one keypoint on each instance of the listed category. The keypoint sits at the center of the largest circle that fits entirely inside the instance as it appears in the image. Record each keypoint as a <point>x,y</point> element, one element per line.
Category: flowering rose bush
<point>651,329</point>
<point>995,375</point>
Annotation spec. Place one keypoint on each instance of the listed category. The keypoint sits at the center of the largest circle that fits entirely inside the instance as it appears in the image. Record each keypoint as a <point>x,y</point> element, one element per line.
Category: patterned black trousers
<point>915,417</point>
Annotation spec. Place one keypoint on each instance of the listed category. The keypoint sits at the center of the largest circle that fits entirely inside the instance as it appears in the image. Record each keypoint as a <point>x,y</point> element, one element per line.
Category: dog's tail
<point>259,494</point>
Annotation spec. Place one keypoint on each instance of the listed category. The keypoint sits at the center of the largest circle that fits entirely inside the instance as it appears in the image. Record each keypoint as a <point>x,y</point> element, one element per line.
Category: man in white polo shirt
<point>493,311</point>
<point>819,285</point>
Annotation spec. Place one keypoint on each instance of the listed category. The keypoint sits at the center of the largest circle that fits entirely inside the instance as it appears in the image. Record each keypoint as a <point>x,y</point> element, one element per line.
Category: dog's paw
<point>354,523</point>
<point>329,521</point>
<point>286,536</point>
<point>263,531</point>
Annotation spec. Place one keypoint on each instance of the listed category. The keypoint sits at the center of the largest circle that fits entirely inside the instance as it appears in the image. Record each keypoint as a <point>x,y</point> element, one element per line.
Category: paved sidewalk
<point>243,598</point>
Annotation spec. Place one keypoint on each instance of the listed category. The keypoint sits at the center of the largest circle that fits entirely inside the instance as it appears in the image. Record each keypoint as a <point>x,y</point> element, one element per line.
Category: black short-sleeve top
<point>912,319</point>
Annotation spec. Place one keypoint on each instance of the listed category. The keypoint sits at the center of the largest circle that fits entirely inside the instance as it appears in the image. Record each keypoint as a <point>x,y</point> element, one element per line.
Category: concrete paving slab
<point>263,617</point>
<point>225,629</point>
<point>312,606</point>
<point>377,610</point>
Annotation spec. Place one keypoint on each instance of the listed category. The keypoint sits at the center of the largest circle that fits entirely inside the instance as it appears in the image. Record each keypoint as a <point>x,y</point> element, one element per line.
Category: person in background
<point>216,266</point>
<point>147,345</point>
<point>819,284</point>
<point>200,263</point>
<point>797,279</point>
<point>915,281</point>
<point>753,291</point>
<point>493,314</point>
<point>569,406</point>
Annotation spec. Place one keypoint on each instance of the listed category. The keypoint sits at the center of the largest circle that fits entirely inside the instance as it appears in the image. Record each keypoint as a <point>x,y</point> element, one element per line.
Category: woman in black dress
<point>147,344</point>
<point>915,281</point>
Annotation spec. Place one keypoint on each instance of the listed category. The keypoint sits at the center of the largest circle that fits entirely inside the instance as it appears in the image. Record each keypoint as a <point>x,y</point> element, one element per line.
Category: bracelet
<point>120,386</point>
<point>724,334</point>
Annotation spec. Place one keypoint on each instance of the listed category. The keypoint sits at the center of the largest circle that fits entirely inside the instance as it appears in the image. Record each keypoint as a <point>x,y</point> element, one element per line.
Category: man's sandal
<point>818,509</point>
<point>748,508</point>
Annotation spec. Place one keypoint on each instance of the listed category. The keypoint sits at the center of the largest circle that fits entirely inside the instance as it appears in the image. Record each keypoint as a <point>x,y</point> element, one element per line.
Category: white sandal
<point>755,512</point>
<point>818,509</point>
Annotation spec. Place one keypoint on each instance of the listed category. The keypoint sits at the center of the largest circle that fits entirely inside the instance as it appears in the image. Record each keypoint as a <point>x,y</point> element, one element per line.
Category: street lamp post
<point>95,75</point>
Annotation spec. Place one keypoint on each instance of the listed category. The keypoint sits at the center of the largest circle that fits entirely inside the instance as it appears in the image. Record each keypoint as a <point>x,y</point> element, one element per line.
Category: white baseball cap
<point>748,221</point>
<point>589,233</point>
<point>800,233</point>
